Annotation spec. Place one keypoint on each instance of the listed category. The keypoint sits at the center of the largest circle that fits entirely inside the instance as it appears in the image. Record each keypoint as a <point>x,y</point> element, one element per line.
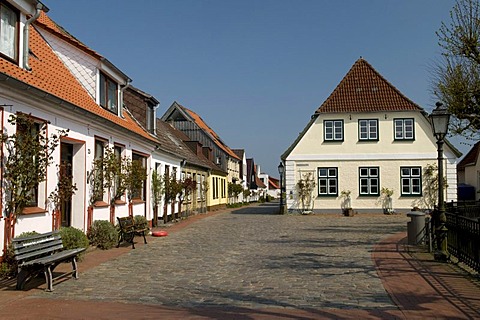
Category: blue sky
<point>256,70</point>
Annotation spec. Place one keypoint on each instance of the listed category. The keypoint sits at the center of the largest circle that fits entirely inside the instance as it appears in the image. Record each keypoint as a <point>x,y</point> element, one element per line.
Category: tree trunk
<point>112,213</point>
<point>155,216</point>
<point>130,209</point>
<point>89,217</point>
<point>56,219</point>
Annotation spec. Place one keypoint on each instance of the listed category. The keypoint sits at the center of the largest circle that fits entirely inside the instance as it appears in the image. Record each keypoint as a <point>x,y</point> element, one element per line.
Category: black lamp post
<point>281,170</point>
<point>440,118</point>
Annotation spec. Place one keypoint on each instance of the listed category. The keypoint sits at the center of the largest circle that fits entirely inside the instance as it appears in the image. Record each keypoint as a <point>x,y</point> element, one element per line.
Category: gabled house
<point>197,165</point>
<point>366,136</point>
<point>243,169</point>
<point>468,171</point>
<point>165,158</point>
<point>272,185</point>
<point>197,129</point>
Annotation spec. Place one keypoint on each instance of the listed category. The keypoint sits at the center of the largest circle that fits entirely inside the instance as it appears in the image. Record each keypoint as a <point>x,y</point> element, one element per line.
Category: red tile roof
<point>50,75</point>
<point>50,25</point>
<point>363,89</point>
<point>216,139</point>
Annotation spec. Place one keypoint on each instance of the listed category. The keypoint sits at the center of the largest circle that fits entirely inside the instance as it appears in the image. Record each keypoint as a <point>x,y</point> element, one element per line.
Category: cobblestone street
<point>249,258</point>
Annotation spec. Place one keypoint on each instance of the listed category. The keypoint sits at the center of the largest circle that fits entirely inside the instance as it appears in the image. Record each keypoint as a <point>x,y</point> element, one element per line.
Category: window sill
<point>100,204</point>
<point>33,210</point>
<point>120,202</point>
<point>137,201</point>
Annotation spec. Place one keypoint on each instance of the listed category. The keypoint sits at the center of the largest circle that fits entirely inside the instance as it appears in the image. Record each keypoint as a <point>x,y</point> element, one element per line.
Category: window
<point>333,130</point>
<point>369,181</point>
<point>140,193</point>
<point>117,151</point>
<point>411,181</point>
<point>199,186</point>
<point>108,94</point>
<point>327,181</point>
<point>8,32</point>
<point>404,129</point>
<point>215,186</point>
<point>368,129</point>
<point>98,189</point>
<point>224,188</point>
<point>29,133</point>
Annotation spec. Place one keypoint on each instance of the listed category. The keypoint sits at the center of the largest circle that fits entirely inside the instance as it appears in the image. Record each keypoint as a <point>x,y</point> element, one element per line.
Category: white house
<point>366,136</point>
<point>468,170</point>
<point>63,84</point>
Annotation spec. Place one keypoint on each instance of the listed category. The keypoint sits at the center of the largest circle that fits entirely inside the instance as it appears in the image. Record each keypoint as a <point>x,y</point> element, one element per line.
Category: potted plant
<point>189,186</point>
<point>346,203</point>
<point>157,192</point>
<point>387,201</point>
<point>305,188</point>
<point>64,191</point>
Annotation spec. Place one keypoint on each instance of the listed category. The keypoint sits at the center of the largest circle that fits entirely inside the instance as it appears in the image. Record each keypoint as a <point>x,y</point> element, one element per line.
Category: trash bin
<point>416,227</point>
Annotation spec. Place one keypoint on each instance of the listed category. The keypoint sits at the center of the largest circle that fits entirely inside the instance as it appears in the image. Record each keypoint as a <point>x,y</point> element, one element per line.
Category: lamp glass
<point>440,118</point>
<point>281,168</point>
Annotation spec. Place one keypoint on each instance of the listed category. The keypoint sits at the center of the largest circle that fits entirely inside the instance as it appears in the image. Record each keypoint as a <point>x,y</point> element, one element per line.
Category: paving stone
<point>249,258</point>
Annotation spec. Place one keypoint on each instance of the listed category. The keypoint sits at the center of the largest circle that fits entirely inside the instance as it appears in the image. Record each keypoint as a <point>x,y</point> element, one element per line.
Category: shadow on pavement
<point>269,208</point>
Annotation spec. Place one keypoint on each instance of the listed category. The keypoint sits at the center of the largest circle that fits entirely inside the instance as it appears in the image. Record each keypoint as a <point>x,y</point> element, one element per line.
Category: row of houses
<point>62,84</point>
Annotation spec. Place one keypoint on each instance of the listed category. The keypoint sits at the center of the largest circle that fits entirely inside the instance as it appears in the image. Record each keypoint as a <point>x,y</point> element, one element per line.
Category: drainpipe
<point>26,35</point>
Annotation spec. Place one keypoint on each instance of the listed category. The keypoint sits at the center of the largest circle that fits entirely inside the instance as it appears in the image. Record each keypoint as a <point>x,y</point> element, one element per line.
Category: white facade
<point>86,125</point>
<point>347,157</point>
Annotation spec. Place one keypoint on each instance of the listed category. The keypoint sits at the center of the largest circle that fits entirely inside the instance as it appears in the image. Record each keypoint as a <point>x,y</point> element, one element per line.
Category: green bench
<point>42,253</point>
<point>128,230</point>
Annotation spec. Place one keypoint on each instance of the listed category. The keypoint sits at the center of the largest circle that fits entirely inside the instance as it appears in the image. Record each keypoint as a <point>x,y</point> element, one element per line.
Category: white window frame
<point>404,129</point>
<point>367,129</point>
<point>9,18</point>
<point>333,130</point>
<point>411,181</point>
<point>369,177</point>
<point>106,94</point>
<point>328,179</point>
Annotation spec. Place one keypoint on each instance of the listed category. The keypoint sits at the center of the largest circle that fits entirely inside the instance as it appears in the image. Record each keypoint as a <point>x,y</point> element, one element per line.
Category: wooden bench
<point>42,252</point>
<point>128,230</point>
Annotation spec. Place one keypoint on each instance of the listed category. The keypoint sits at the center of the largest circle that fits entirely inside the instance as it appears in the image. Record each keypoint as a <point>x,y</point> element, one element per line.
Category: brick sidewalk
<point>423,288</point>
<point>419,286</point>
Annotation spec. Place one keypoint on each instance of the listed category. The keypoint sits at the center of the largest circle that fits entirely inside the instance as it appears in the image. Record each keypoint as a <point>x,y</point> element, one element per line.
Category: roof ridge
<point>210,131</point>
<point>52,26</point>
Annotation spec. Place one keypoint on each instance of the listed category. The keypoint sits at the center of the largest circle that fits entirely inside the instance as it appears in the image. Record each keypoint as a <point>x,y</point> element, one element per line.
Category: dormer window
<point>8,32</point>
<point>108,94</point>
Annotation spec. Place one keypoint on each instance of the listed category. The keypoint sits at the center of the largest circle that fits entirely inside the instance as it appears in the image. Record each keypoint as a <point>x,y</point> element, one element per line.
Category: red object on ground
<point>160,233</point>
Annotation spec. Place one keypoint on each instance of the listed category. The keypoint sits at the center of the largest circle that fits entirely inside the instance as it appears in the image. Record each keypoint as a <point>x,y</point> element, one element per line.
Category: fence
<point>463,238</point>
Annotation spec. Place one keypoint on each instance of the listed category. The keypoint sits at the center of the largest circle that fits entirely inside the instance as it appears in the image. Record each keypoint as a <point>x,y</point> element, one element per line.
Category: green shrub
<point>8,268</point>
<point>102,234</point>
<point>74,238</point>
<point>141,221</point>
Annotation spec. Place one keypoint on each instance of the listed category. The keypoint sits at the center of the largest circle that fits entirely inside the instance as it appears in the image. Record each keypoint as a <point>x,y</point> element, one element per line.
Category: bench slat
<point>37,247</point>
<point>59,256</point>
<point>39,253</point>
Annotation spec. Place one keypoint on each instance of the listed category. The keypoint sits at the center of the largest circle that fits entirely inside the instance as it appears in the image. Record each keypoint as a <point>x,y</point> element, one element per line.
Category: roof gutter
<point>26,33</point>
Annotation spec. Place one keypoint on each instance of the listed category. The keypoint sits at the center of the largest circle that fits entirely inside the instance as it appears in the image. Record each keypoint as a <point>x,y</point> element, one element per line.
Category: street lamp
<point>281,170</point>
<point>440,118</point>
